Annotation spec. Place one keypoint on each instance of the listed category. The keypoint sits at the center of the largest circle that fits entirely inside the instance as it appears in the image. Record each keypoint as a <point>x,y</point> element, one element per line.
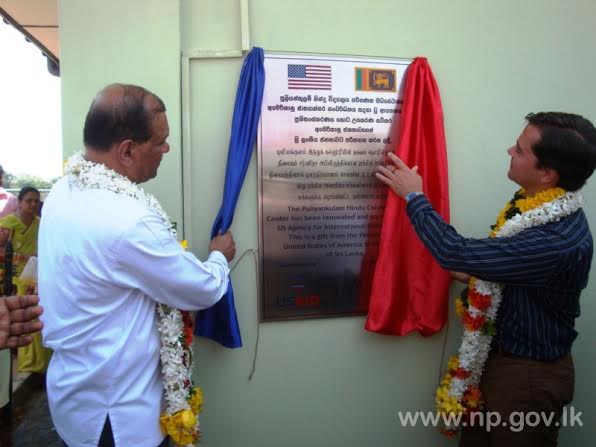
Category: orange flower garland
<point>458,395</point>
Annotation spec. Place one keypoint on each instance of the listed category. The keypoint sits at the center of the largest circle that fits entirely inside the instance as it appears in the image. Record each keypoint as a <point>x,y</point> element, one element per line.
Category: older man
<point>537,264</point>
<point>107,257</point>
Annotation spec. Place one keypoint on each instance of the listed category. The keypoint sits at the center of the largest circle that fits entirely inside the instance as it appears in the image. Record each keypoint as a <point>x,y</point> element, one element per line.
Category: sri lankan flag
<point>374,80</point>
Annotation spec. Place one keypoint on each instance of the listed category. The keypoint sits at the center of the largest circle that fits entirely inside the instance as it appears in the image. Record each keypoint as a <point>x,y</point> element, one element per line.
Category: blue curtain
<point>220,322</point>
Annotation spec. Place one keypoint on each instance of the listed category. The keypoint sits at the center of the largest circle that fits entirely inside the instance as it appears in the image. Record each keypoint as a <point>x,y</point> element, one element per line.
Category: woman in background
<point>21,229</point>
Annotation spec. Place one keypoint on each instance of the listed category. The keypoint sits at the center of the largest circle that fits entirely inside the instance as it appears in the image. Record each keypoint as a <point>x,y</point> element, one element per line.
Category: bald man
<point>107,257</point>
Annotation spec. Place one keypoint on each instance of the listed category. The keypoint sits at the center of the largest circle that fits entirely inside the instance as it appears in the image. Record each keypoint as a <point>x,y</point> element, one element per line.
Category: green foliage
<point>13,182</point>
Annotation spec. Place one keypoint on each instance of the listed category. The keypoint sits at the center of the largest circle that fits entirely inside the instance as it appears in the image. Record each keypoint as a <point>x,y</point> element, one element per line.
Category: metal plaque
<point>325,124</point>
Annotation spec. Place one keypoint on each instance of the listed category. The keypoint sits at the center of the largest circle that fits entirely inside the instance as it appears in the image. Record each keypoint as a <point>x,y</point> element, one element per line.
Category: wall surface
<point>132,42</point>
<point>328,382</point>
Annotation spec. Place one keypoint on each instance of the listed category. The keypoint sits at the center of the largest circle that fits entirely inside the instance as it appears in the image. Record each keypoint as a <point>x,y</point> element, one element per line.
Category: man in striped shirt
<point>543,270</point>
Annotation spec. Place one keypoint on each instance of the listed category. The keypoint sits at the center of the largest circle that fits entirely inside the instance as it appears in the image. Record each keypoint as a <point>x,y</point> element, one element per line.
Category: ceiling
<point>37,20</point>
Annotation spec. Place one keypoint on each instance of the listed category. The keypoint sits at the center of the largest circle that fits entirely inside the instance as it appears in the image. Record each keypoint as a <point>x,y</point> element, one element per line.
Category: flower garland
<point>458,395</point>
<point>183,400</point>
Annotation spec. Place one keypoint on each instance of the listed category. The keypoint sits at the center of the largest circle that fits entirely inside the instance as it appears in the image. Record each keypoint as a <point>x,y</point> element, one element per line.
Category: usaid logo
<point>298,301</point>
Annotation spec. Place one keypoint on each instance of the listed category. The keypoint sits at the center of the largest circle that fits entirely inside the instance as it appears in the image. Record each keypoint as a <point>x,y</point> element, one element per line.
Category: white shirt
<point>104,261</point>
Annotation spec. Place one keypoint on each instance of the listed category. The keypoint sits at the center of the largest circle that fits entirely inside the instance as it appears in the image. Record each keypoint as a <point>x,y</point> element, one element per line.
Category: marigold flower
<point>474,323</point>
<point>181,427</point>
<point>479,301</point>
<point>459,307</point>
<point>446,380</point>
<point>461,373</point>
<point>529,203</point>
<point>473,397</point>
<point>196,400</point>
<point>187,320</point>
<point>449,432</point>
<point>453,363</point>
<point>188,336</point>
<point>187,418</point>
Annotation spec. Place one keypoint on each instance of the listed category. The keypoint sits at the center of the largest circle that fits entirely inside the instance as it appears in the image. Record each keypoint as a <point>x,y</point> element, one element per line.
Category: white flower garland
<point>475,345</point>
<point>175,359</point>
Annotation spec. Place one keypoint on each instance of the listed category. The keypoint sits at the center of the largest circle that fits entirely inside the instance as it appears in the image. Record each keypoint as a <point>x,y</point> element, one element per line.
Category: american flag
<point>309,77</point>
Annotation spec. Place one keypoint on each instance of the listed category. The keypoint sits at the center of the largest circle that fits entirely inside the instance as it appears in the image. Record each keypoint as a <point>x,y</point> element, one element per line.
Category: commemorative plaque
<point>325,125</point>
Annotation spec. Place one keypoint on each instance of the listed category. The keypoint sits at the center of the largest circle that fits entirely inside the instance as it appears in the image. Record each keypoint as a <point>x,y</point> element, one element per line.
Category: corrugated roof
<point>38,21</point>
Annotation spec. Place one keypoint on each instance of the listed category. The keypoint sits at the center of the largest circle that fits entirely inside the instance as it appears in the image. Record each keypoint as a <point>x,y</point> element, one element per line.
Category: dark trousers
<point>517,389</point>
<point>107,438</point>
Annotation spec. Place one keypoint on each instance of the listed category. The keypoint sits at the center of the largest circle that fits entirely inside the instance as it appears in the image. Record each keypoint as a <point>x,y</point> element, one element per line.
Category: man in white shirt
<point>107,257</point>
<point>8,201</point>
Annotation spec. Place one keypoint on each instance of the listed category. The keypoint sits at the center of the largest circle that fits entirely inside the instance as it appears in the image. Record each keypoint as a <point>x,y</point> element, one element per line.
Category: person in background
<point>8,201</point>
<point>18,320</point>
<point>21,229</point>
<point>8,205</point>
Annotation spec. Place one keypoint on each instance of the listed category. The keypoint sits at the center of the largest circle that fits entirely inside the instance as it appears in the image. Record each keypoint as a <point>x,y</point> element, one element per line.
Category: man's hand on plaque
<point>399,177</point>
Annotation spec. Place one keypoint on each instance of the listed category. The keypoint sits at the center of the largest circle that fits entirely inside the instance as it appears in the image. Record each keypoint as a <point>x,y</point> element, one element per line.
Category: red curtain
<point>409,289</point>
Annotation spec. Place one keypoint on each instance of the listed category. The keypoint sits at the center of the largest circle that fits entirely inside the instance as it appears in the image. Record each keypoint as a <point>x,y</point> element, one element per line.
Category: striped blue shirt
<point>543,269</point>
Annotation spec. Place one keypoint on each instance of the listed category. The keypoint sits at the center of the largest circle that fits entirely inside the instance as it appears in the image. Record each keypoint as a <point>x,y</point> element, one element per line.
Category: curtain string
<point>255,252</point>
<point>443,350</point>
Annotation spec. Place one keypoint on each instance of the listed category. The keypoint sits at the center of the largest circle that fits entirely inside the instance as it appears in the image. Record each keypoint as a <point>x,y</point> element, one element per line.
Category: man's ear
<point>124,152</point>
<point>550,177</point>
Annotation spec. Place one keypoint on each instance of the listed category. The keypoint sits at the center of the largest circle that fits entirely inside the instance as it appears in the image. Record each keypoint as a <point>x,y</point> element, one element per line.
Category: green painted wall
<point>327,382</point>
<point>136,42</point>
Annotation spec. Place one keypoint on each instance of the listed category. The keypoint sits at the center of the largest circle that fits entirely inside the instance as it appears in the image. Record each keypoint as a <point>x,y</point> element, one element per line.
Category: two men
<point>107,257</point>
<point>539,264</point>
